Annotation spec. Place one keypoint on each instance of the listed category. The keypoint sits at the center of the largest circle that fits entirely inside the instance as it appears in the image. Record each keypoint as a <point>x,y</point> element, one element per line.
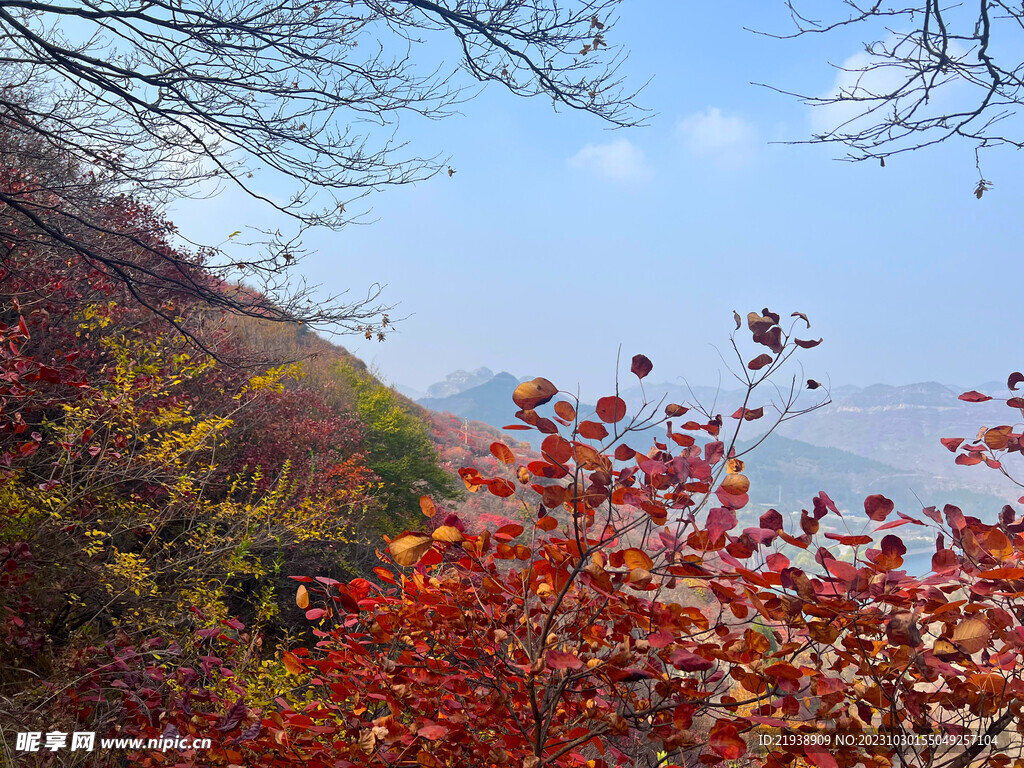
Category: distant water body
<point>917,563</point>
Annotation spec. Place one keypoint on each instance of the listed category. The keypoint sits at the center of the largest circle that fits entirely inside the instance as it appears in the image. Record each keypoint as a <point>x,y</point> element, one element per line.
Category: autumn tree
<point>560,643</point>
<point>639,621</point>
<point>159,99</point>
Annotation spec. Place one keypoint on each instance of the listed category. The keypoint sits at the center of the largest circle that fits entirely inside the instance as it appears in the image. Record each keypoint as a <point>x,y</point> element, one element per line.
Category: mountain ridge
<point>895,428</point>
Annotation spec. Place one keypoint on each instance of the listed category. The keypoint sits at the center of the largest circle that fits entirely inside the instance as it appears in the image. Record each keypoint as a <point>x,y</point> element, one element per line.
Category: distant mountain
<point>459,381</point>
<point>901,426</point>
<point>898,426</point>
<point>410,392</point>
<point>489,402</point>
<point>787,474</point>
<point>875,439</point>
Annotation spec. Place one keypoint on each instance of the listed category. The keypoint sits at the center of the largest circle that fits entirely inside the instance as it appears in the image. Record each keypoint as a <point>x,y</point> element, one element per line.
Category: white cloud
<point>619,160</point>
<point>864,75</point>
<point>712,134</point>
<point>856,78</point>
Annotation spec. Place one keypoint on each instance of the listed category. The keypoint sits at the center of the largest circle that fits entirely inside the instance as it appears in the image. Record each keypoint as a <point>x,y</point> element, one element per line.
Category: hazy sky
<point>557,240</point>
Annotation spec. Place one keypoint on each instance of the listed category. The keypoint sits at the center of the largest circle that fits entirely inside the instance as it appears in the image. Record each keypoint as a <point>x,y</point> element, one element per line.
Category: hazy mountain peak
<point>459,381</point>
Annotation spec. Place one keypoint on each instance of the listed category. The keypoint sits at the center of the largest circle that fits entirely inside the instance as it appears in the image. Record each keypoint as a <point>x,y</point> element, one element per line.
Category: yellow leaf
<point>447,533</point>
<point>972,635</point>
<point>408,548</point>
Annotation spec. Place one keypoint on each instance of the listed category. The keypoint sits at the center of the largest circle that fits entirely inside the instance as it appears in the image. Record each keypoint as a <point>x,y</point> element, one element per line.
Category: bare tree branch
<point>930,71</point>
<point>162,98</point>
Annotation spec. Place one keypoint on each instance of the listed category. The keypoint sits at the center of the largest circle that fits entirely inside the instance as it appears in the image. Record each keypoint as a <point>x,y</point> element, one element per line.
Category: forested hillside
<point>167,467</point>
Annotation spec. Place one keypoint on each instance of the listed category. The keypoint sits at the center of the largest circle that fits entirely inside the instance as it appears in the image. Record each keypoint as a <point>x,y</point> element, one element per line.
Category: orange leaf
<point>997,438</point>
<point>736,484</point>
<point>1002,573</point>
<point>503,453</point>
<point>565,410</point>
<point>637,558</point>
<point>292,664</point>
<point>302,597</point>
<point>591,430</point>
<point>427,506</point>
<point>531,394</point>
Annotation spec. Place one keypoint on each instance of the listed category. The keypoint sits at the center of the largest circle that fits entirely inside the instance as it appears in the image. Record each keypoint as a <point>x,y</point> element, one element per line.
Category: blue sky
<point>557,240</point>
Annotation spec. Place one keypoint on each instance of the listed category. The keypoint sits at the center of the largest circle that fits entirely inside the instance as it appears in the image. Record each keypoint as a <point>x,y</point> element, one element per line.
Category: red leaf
<point>968,459</point>
<point>591,430</point>
<point>878,507</point>
<point>501,487</point>
<point>760,362</point>
<point>806,344</point>
<point>1015,378</point>
<point>974,397</point>
<point>660,639</point>
<point>556,449</point>
<point>690,662</point>
<point>624,452</point>
<point>841,570</point>
<point>725,740</point>
<point>748,414</point>
<point>826,500</point>
<point>641,366</point>
<point>892,524</point>
<point>893,545</point>
<point>818,756</point>
<point>771,520</point>
<point>508,532</point>
<point>952,443</point>
<point>852,541</point>
<point>432,732</point>
<point>562,660</point>
<point>784,670</point>
<point>611,409</point>
<point>933,513</point>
